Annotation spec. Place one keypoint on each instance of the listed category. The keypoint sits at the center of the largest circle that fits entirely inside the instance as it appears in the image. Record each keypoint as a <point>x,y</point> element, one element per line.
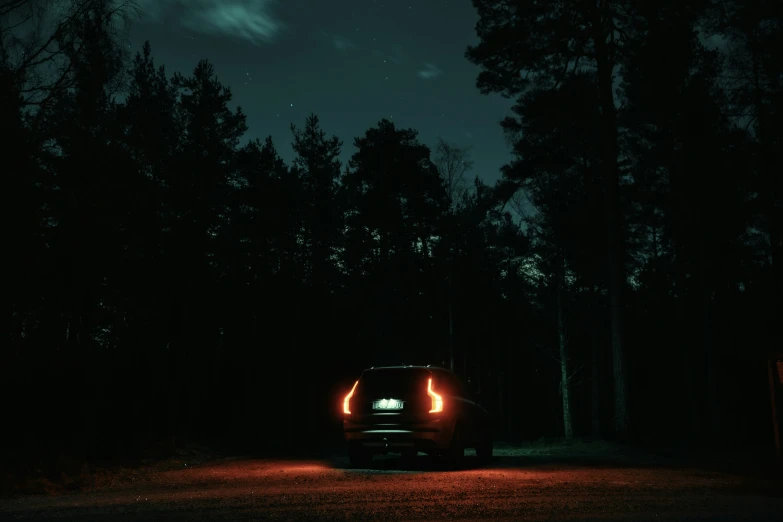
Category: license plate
<point>387,404</point>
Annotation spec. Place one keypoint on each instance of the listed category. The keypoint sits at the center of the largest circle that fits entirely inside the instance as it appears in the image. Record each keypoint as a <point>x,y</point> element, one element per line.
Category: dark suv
<point>408,409</point>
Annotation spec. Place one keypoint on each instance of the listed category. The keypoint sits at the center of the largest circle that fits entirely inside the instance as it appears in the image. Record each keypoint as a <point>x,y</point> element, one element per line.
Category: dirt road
<point>514,487</point>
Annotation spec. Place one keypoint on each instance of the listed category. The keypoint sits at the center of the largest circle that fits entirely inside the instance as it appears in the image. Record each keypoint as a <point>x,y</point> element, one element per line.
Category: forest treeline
<point>168,278</point>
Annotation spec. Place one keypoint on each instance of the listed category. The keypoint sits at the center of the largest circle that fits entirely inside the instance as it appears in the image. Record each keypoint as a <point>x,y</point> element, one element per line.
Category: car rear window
<point>394,381</point>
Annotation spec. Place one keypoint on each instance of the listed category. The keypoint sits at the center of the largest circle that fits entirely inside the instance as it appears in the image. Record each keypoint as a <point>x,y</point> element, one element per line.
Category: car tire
<point>484,452</point>
<point>359,457</point>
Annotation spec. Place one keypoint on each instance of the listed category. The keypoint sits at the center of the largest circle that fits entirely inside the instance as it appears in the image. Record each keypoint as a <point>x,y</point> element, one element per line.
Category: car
<point>411,409</point>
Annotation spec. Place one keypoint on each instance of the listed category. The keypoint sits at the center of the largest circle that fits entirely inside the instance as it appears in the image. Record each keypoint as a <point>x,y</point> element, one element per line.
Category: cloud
<point>251,20</point>
<point>341,43</point>
<point>429,72</point>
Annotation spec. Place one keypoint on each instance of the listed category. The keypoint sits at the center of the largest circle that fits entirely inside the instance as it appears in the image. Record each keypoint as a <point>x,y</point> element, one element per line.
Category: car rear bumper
<point>427,436</point>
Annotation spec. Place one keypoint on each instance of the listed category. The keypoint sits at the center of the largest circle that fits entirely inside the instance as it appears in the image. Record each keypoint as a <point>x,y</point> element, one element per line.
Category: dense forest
<point>169,279</point>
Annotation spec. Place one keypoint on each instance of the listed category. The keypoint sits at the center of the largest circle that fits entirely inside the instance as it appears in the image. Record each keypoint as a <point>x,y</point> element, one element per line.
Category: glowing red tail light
<point>347,400</point>
<point>437,400</point>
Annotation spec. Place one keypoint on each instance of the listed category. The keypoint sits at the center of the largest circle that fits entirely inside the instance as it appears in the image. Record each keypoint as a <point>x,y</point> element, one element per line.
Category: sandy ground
<point>520,484</point>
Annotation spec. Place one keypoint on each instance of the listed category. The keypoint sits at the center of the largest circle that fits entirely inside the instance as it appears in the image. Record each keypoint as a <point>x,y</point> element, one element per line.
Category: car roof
<point>407,366</point>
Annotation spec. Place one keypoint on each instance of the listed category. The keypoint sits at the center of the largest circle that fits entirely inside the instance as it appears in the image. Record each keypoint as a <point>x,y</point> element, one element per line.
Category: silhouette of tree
<point>198,200</point>
<point>554,132</point>
<point>25,189</point>
<point>258,248</point>
<point>394,197</point>
<point>260,238</point>
<point>41,39</point>
<point>88,210</point>
<point>453,163</point>
<point>484,258</point>
<point>752,33</point>
<point>689,228</point>
<point>317,167</point>
<point>526,45</point>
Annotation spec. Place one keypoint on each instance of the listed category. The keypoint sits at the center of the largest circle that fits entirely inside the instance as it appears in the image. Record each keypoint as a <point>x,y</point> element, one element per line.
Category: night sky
<point>351,62</point>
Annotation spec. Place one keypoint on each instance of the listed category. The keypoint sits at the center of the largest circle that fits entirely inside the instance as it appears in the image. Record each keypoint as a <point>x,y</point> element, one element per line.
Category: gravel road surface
<point>516,486</point>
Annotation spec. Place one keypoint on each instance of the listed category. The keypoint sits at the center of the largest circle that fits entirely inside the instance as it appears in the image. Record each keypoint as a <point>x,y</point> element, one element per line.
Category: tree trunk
<point>172,385</point>
<point>451,328</point>
<point>774,218</point>
<point>291,357</point>
<point>683,334</point>
<point>561,336</point>
<point>424,237</point>
<point>509,393</point>
<point>710,392</point>
<point>595,382</point>
<point>605,65</point>
<point>501,403</point>
<point>465,362</point>
<point>174,378</point>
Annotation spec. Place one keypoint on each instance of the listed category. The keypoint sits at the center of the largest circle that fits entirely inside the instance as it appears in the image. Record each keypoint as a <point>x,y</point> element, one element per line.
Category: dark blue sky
<point>352,62</point>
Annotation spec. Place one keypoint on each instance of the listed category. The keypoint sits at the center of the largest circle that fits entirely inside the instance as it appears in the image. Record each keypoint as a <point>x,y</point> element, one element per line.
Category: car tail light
<point>347,400</point>
<point>437,400</point>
